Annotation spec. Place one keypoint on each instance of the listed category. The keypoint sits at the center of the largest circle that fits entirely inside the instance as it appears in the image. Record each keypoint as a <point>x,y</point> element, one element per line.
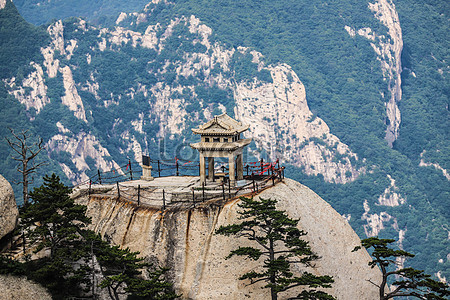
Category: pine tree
<point>53,221</point>
<point>278,241</point>
<point>124,273</point>
<point>409,282</point>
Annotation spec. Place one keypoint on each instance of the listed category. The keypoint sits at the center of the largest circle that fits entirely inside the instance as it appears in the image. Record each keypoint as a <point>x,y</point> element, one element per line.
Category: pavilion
<point>221,137</point>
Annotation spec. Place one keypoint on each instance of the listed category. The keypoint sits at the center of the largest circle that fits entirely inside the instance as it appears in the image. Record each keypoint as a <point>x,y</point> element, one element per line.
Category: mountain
<point>352,96</point>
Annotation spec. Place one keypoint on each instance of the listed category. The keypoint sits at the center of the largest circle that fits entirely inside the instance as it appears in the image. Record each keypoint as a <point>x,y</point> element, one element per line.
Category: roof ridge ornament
<point>228,126</point>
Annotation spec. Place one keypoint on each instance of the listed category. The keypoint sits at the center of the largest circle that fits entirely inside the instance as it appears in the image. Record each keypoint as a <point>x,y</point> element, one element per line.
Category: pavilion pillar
<point>202,168</point>
<point>240,167</point>
<point>211,168</point>
<point>231,168</point>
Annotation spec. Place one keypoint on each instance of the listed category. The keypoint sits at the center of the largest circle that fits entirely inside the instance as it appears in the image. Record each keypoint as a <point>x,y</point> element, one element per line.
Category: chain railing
<point>258,177</point>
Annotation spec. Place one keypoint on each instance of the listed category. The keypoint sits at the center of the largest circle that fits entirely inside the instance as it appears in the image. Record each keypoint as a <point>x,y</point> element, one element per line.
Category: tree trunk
<point>25,182</point>
<point>383,282</point>
<point>273,293</point>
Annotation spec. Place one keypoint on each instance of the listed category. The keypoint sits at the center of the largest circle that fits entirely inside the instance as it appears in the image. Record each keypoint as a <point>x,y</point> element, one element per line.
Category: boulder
<point>8,208</point>
<point>19,288</point>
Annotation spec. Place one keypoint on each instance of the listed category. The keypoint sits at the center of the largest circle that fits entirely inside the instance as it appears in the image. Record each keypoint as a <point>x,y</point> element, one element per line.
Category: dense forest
<point>342,76</point>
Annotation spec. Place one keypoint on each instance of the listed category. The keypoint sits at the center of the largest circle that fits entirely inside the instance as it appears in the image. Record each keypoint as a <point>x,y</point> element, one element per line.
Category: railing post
<point>164,200</point>
<point>253,177</point>
<point>193,197</point>
<point>139,194</point>
<point>247,166</point>
<point>203,191</point>
<point>273,179</point>
<point>131,171</point>
<point>159,169</point>
<point>23,242</point>
<point>223,190</point>
<point>262,167</point>
<point>118,189</point>
<point>99,177</point>
<point>90,184</point>
<point>229,189</point>
<point>176,162</point>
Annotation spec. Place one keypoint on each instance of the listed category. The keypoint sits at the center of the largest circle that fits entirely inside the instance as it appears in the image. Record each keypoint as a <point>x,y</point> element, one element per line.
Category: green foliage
<point>53,221</point>
<point>269,228</point>
<point>246,70</point>
<point>123,270</point>
<point>20,43</point>
<point>408,281</point>
<point>9,266</point>
<point>40,12</point>
<point>60,219</point>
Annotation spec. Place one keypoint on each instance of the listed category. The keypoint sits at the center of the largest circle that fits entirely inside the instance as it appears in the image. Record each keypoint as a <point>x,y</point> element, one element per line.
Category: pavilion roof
<point>221,125</point>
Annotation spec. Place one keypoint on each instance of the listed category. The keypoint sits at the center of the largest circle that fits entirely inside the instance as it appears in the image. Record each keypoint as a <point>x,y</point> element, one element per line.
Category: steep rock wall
<point>282,124</point>
<point>184,240</point>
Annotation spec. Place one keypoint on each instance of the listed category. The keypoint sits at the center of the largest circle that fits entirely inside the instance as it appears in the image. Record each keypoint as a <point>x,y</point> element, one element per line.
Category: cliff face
<point>388,48</point>
<point>8,208</point>
<point>184,240</point>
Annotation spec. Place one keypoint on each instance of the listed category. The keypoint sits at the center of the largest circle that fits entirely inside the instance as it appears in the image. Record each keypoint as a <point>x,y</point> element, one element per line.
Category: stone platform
<point>166,191</point>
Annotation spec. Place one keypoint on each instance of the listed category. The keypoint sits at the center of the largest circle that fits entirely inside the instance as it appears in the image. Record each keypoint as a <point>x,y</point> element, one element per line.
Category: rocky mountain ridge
<point>389,50</point>
<point>303,139</point>
<point>184,240</point>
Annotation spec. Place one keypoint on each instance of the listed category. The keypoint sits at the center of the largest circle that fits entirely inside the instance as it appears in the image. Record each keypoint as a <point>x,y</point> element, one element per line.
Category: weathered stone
<point>19,288</point>
<point>8,208</point>
<point>184,240</point>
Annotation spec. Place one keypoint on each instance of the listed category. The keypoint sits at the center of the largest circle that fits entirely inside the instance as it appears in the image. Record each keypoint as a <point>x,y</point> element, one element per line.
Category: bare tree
<point>26,151</point>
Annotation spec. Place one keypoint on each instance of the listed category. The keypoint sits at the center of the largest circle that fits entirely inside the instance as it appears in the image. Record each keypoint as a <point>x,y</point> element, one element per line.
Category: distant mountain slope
<point>43,11</point>
<point>343,92</point>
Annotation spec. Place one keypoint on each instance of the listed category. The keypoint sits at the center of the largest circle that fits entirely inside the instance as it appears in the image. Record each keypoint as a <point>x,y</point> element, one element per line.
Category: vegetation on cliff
<point>53,223</point>
<point>408,282</point>
<point>279,246</point>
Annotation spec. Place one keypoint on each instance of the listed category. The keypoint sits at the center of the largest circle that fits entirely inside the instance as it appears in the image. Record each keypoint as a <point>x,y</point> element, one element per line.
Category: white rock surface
<point>80,146</point>
<point>391,197</point>
<point>424,163</point>
<point>8,208</point>
<point>184,240</point>
<point>282,124</point>
<point>71,99</point>
<point>19,288</point>
<point>389,50</point>
<point>32,91</point>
